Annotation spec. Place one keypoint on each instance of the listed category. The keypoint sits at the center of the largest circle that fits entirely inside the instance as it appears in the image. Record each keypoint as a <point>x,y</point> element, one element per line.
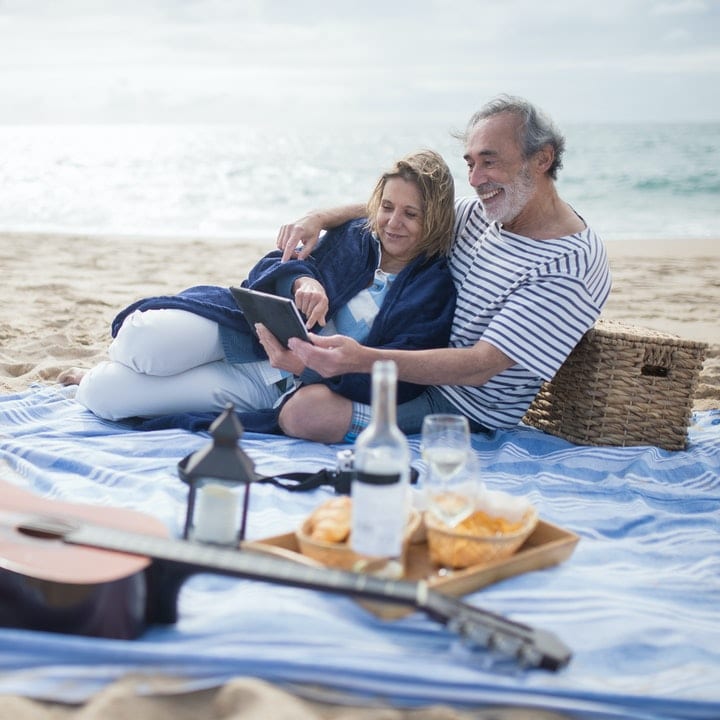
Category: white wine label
<point>378,518</point>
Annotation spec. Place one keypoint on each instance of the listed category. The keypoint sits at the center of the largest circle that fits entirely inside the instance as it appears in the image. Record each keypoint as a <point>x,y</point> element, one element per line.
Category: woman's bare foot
<point>71,376</point>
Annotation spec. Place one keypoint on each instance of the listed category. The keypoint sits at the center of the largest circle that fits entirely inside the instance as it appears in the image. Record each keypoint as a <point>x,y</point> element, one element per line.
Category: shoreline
<point>676,247</point>
<point>61,291</point>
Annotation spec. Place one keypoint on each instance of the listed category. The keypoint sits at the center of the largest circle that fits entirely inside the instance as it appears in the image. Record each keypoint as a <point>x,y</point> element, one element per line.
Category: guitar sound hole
<point>45,528</point>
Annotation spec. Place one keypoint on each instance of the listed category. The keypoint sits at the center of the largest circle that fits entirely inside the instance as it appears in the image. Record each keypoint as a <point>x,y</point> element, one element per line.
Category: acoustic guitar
<point>111,572</point>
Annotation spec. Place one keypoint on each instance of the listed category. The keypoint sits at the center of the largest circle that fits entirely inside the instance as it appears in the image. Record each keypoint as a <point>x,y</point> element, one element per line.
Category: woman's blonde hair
<point>431,175</point>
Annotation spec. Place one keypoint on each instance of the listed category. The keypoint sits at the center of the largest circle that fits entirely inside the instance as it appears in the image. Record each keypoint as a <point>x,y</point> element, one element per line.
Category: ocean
<point>232,182</point>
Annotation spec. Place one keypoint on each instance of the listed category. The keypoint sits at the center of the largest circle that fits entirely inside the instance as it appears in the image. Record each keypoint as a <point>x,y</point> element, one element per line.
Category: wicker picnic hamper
<point>622,385</point>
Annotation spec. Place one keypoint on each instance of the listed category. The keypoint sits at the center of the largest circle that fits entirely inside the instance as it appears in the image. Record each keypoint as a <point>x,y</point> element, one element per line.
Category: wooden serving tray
<point>547,545</point>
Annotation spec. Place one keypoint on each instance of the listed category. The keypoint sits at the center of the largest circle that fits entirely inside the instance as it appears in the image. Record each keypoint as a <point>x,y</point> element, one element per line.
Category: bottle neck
<point>384,395</point>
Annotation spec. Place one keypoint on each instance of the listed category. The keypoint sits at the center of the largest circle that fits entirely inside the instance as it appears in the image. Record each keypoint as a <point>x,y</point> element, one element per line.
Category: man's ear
<point>544,158</point>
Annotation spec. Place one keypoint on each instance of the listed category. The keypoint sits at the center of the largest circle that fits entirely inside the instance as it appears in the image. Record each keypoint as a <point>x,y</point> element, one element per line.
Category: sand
<point>60,292</point>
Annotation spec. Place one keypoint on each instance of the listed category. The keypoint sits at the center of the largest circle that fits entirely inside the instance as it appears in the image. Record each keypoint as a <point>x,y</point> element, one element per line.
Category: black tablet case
<point>278,314</point>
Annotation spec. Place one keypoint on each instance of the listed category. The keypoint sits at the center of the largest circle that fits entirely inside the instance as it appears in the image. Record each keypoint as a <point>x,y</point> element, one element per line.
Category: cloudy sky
<point>327,60</point>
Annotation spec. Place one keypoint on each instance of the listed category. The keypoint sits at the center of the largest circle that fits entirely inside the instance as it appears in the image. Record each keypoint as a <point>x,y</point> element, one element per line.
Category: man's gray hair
<point>536,128</point>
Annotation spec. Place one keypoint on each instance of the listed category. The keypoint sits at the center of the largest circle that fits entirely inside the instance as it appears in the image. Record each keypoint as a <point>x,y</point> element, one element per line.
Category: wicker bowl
<point>461,548</point>
<point>341,555</point>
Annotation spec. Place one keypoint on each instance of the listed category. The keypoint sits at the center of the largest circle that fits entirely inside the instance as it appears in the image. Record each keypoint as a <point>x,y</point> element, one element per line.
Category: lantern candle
<point>217,512</point>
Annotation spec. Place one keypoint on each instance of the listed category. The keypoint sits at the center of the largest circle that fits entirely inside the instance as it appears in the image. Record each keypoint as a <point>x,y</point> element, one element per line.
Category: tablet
<point>278,314</point>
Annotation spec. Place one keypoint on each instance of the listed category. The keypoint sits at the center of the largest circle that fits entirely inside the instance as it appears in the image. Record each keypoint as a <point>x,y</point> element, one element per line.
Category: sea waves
<point>243,182</point>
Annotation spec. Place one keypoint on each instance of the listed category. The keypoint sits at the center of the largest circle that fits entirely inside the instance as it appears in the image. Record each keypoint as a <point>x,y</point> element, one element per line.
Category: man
<point>531,276</point>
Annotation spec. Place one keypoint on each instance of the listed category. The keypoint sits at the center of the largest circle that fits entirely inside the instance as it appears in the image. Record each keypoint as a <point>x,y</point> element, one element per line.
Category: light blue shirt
<point>356,317</point>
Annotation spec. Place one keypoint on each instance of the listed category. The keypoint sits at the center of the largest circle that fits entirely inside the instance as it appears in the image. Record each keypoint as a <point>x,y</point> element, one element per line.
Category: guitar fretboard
<point>252,564</point>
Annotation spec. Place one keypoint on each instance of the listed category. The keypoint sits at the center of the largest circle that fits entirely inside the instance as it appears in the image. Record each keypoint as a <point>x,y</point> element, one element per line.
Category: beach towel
<point>638,601</point>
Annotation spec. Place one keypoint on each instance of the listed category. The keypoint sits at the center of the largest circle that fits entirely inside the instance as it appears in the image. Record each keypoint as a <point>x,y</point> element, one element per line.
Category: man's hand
<point>311,299</point>
<point>306,231</point>
<point>303,232</point>
<point>332,355</point>
<point>279,356</point>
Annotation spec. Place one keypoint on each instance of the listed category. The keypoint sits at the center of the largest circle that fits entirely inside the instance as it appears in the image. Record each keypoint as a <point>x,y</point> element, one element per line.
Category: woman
<point>383,280</point>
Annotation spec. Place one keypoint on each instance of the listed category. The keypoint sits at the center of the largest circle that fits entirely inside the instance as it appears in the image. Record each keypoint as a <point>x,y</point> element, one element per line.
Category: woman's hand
<point>311,299</point>
<point>279,356</point>
<point>297,239</point>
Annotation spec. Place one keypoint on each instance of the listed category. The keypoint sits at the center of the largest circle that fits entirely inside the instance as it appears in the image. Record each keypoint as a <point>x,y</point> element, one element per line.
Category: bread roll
<point>330,522</point>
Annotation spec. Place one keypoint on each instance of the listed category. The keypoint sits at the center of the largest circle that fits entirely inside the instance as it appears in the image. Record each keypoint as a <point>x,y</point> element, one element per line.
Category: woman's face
<point>399,221</point>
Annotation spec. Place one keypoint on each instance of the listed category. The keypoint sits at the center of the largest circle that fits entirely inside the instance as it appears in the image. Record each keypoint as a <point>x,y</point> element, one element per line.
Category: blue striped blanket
<point>638,601</point>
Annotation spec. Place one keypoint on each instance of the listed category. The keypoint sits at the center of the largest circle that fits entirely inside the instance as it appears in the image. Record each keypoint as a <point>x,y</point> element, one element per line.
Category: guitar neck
<point>247,563</point>
<point>529,646</point>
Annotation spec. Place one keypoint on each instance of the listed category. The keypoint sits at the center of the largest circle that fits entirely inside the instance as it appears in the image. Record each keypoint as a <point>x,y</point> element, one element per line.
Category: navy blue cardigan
<point>416,313</point>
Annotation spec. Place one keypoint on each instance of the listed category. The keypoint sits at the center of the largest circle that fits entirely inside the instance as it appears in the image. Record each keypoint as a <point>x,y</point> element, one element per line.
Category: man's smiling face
<point>497,169</point>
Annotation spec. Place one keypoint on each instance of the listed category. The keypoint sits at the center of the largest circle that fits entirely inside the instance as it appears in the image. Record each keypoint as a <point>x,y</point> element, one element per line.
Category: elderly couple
<point>477,301</point>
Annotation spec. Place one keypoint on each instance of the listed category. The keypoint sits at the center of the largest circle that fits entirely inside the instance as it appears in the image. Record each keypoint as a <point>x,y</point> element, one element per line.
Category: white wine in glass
<point>450,490</point>
<point>445,461</point>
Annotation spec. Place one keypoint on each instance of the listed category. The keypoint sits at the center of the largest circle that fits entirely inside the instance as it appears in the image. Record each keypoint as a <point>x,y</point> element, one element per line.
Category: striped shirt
<point>531,299</point>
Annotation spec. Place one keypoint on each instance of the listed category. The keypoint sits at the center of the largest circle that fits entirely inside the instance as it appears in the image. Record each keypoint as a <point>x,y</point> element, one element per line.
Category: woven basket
<point>622,385</point>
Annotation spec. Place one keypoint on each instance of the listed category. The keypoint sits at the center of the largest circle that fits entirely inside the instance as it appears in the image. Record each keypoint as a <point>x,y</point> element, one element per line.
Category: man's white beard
<point>517,194</point>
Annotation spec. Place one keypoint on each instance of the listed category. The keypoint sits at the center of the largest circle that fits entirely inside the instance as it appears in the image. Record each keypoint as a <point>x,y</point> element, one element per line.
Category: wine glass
<point>450,484</point>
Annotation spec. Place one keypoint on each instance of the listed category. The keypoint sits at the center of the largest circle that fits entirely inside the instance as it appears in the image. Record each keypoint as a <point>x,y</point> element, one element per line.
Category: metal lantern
<point>217,474</point>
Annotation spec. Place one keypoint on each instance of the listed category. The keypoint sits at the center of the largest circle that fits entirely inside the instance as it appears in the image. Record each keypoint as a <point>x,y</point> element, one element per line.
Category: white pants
<point>172,361</point>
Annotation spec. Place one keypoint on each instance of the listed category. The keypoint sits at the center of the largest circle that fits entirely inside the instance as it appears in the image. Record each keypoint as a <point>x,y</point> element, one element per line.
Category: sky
<point>326,62</point>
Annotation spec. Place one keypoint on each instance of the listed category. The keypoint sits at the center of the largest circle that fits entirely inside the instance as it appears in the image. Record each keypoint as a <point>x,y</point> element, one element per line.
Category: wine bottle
<point>381,482</point>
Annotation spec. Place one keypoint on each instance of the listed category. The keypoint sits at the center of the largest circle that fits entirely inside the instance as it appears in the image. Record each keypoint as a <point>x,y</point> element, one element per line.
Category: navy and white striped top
<point>531,299</point>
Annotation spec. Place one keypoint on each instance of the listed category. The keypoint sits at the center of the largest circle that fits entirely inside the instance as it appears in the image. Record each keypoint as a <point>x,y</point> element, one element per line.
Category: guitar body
<point>114,609</point>
<point>48,585</point>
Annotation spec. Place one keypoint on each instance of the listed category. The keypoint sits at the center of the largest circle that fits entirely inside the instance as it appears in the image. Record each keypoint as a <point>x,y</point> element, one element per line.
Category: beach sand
<point>60,292</point>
